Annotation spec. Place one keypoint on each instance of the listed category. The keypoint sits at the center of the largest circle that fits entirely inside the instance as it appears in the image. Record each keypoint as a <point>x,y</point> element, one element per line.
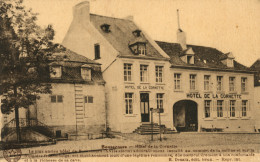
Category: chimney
<point>181,39</point>
<point>81,11</point>
<point>181,35</point>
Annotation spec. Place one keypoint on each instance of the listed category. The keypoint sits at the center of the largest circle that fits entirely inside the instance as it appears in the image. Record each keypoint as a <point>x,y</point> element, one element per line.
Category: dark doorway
<point>185,115</point>
<point>144,105</point>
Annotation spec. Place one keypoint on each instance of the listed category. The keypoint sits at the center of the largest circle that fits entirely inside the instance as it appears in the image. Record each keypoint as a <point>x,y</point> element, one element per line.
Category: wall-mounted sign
<point>208,95</point>
<point>144,87</point>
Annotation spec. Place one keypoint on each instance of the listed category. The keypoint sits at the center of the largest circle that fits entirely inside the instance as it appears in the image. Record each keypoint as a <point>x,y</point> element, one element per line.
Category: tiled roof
<point>71,67</point>
<point>121,35</point>
<point>205,57</point>
<point>256,67</point>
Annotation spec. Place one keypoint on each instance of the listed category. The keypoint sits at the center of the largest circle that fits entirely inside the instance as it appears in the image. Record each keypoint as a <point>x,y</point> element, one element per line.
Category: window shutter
<point>214,105</point>
<point>248,110</point>
<point>226,108</point>
<point>238,108</point>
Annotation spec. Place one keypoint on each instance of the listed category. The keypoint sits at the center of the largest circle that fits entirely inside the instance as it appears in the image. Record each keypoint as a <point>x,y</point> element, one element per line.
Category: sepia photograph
<point>129,80</point>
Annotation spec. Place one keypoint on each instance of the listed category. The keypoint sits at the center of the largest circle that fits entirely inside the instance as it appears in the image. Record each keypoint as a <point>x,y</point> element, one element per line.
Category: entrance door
<point>185,116</point>
<point>144,101</point>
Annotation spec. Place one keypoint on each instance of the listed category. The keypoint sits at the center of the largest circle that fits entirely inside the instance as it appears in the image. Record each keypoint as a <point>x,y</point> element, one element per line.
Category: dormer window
<point>86,73</point>
<point>105,28</point>
<point>55,72</point>
<point>137,33</point>
<point>228,59</point>
<point>138,48</point>
<point>188,56</point>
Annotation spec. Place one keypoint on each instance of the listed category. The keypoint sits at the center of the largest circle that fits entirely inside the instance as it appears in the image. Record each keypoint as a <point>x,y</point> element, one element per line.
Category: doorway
<point>144,105</point>
<point>185,116</point>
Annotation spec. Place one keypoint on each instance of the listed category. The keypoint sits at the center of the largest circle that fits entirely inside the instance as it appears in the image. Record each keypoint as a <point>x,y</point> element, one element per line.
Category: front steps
<point>148,129</point>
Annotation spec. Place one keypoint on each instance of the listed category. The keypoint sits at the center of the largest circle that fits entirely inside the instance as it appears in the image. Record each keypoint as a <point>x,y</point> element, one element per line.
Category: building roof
<point>204,57</point>
<point>256,67</point>
<point>121,35</point>
<point>71,63</point>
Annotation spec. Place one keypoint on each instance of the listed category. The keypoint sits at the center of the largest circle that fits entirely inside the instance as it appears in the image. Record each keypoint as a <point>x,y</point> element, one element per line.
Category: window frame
<point>232,83</point>
<point>193,87</point>
<point>84,75</point>
<point>176,83</point>
<point>246,106</point>
<point>97,51</point>
<point>244,89</point>
<point>129,105</point>
<point>159,70</point>
<point>86,99</point>
<point>220,113</point>
<point>56,98</point>
<point>207,107</point>
<point>207,81</point>
<point>160,100</point>
<point>232,108</point>
<point>221,83</point>
<point>144,78</point>
<point>126,72</point>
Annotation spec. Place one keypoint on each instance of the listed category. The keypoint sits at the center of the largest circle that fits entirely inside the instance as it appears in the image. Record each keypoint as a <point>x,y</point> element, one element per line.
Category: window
<point>232,108</point>
<point>56,98</point>
<point>244,108</point>
<point>128,72</point>
<point>219,108</point>
<point>159,99</point>
<point>55,72</point>
<point>88,99</point>
<point>129,103</point>
<point>159,74</point>
<point>207,106</point>
<point>219,83</point>
<point>192,82</point>
<point>243,84</point>
<point>177,81</point>
<point>206,82</point>
<point>144,73</point>
<point>190,59</point>
<point>231,84</point>
<point>86,73</point>
<point>97,51</point>
<point>141,49</point>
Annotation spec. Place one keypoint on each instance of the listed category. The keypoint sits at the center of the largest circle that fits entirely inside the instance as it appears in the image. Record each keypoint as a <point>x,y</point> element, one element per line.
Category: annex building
<point>199,88</point>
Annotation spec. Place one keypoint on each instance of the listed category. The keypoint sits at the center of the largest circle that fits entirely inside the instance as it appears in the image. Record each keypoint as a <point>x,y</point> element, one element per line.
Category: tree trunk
<point>17,118</point>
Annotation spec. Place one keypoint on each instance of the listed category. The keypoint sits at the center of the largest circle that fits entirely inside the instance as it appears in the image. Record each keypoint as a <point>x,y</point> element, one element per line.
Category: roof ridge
<point>110,17</point>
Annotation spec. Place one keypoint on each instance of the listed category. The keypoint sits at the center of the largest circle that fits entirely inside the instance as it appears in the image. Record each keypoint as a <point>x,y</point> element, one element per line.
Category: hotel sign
<point>144,87</point>
<point>208,95</point>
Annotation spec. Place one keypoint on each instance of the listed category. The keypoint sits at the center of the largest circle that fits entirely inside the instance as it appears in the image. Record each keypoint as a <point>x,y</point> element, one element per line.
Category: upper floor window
<point>144,73</point>
<point>86,73</point>
<point>243,84</point>
<point>219,83</point>
<point>159,74</point>
<point>206,82</point>
<point>220,108</point>
<point>192,82</point>
<point>56,98</point>
<point>97,51</point>
<point>138,48</point>
<point>159,99</point>
<point>55,72</point>
<point>232,108</point>
<point>207,105</point>
<point>177,81</point>
<point>232,84</point>
<point>128,72</point>
<point>129,103</point>
<point>244,108</point>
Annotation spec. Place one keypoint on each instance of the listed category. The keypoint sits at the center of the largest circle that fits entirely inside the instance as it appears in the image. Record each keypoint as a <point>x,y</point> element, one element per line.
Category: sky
<point>228,25</point>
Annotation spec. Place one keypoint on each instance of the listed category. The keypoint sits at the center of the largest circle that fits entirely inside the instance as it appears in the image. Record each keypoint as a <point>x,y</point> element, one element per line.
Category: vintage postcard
<point>130,80</point>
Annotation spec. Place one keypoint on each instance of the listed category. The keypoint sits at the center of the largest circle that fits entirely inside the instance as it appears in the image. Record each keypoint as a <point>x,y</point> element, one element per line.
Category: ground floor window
<point>159,98</point>
<point>244,108</point>
<point>56,98</point>
<point>129,103</point>
<point>207,106</point>
<point>220,108</point>
<point>232,108</point>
